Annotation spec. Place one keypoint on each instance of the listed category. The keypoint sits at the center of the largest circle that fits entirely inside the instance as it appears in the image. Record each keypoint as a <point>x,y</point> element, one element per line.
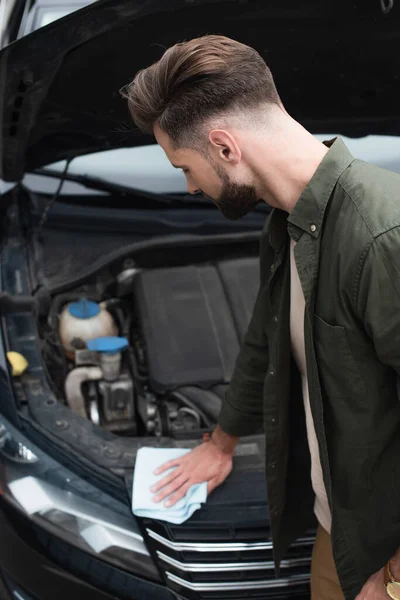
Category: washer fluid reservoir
<point>82,321</point>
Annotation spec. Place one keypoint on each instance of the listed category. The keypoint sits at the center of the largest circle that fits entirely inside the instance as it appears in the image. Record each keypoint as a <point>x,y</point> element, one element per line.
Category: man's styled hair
<point>196,80</point>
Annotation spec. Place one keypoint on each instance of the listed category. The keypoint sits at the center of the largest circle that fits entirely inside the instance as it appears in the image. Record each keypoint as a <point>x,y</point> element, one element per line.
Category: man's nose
<point>192,189</point>
<point>191,186</point>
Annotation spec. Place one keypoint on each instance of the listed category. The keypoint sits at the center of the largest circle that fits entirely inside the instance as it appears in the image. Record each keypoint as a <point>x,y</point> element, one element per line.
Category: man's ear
<point>223,147</point>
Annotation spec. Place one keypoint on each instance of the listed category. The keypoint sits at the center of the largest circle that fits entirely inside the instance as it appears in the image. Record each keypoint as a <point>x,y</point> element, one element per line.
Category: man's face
<point>204,175</point>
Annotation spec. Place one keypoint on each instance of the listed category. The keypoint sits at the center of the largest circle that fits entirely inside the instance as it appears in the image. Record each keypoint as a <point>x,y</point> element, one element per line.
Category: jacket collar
<point>309,211</point>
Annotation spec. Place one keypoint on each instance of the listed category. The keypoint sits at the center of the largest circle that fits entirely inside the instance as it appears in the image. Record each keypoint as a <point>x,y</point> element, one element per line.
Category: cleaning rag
<point>147,460</point>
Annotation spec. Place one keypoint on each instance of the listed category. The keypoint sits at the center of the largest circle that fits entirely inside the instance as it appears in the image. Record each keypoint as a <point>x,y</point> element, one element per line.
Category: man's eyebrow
<point>179,166</point>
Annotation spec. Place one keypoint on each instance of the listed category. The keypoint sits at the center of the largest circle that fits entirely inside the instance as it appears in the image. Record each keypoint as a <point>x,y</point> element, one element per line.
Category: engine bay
<point>149,350</point>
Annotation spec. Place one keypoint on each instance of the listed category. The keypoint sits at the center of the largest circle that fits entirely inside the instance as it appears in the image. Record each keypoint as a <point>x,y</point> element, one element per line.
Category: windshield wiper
<point>102,185</point>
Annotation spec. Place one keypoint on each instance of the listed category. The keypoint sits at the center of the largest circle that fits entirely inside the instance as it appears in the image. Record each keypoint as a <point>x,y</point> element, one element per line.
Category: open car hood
<point>336,64</point>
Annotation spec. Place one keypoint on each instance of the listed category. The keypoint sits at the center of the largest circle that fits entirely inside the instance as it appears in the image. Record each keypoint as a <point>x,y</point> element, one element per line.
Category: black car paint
<point>50,108</point>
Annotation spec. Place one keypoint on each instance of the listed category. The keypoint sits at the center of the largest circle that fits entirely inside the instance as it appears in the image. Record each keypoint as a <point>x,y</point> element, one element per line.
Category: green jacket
<point>347,228</point>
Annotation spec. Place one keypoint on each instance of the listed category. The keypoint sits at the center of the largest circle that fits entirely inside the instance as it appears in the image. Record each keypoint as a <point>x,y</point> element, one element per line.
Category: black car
<point>117,239</point>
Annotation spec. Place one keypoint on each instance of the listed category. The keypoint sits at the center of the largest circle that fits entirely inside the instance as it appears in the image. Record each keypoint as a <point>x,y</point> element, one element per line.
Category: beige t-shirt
<point>297,308</point>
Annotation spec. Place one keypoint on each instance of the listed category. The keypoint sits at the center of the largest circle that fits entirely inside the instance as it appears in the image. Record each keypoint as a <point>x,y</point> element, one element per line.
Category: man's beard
<point>235,199</point>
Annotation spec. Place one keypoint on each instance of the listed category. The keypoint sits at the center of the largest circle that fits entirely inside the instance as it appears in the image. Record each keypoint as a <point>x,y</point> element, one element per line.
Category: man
<point>321,358</point>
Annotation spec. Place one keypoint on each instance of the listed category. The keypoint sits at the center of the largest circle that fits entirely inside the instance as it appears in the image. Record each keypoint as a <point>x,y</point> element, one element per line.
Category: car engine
<point>156,356</point>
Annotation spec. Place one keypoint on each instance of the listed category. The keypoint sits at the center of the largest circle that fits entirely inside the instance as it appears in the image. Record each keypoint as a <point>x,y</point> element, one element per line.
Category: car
<point>99,239</point>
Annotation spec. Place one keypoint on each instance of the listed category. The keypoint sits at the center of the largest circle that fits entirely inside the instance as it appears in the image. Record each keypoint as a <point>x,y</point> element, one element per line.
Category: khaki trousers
<point>324,580</point>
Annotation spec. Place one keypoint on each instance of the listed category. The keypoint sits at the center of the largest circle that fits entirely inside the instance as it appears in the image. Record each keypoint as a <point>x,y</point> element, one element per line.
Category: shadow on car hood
<point>336,65</point>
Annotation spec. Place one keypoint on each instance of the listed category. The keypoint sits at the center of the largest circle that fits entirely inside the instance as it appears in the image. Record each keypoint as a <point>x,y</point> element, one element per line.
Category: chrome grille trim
<point>237,566</point>
<point>221,547</point>
<point>239,585</point>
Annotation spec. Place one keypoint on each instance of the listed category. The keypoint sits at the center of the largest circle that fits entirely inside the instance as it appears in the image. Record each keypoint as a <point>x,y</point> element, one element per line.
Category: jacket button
<point>272,372</point>
<point>313,228</point>
<point>272,268</point>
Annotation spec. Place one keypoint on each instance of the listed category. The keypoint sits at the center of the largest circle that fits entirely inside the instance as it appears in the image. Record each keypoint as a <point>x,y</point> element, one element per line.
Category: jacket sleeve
<point>242,409</point>
<point>378,296</point>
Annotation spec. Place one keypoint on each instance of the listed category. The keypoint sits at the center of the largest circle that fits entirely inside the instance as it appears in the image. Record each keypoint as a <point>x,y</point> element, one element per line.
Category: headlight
<point>14,450</point>
<point>69,507</point>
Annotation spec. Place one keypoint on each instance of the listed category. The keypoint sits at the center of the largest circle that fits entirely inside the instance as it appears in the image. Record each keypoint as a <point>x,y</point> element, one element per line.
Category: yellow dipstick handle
<point>18,363</point>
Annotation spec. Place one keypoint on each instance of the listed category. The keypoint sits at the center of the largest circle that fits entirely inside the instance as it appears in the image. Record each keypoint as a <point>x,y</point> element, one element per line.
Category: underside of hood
<point>335,62</point>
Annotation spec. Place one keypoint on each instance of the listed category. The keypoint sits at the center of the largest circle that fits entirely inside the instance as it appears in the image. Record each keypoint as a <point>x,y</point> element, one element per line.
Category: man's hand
<point>211,462</point>
<point>374,588</point>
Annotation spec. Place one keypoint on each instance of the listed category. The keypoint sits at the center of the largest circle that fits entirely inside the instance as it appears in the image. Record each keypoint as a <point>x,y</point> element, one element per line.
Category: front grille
<point>234,563</point>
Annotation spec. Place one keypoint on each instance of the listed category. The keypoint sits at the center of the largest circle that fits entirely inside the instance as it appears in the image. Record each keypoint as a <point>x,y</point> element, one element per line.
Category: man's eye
<point>185,171</point>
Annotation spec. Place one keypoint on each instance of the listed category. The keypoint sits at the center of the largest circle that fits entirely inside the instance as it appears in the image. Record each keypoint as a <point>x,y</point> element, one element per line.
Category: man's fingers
<point>166,480</point>
<point>174,498</point>
<point>171,488</point>
<point>168,465</point>
<point>178,495</point>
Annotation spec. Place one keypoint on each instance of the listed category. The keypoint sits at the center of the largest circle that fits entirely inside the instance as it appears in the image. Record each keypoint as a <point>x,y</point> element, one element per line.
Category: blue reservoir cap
<point>84,309</point>
<point>110,345</point>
